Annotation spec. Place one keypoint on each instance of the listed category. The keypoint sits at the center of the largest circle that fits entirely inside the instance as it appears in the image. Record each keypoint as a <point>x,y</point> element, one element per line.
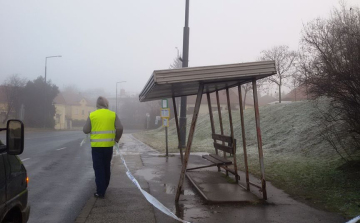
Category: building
<point>72,110</point>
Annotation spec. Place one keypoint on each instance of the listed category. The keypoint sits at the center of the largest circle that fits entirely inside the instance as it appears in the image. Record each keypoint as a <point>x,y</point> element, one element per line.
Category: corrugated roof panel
<point>185,81</point>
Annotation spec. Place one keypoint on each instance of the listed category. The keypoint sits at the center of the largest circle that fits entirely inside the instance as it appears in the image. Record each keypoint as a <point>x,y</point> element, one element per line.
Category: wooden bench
<point>227,145</point>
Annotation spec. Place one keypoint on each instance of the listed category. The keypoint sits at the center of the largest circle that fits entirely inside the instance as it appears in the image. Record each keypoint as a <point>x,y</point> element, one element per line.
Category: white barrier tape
<point>152,200</point>
<point>84,140</point>
<point>354,220</point>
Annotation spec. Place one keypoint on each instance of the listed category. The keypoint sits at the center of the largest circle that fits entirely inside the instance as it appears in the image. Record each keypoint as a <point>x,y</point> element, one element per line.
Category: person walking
<point>105,130</point>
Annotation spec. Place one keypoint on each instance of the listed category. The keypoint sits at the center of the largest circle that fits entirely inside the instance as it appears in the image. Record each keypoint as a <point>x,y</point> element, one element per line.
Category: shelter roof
<point>185,81</point>
<point>222,97</point>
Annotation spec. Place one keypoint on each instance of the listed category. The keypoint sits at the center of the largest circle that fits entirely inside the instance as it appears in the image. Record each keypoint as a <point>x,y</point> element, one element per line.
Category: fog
<point>103,42</point>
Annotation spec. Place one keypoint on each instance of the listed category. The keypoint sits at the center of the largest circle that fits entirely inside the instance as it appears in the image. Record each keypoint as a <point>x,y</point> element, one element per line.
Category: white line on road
<point>62,148</point>
<point>24,159</point>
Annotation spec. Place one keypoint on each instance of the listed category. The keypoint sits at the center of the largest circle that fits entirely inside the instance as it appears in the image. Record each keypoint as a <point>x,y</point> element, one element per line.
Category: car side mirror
<point>14,137</point>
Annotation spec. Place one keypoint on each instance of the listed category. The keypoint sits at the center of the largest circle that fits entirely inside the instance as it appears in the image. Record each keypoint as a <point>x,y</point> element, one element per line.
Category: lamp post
<point>117,94</point>
<point>45,109</point>
<point>185,61</point>
<point>46,63</point>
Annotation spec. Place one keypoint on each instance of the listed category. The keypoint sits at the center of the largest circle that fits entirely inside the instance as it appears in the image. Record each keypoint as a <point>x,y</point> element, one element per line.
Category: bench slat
<point>226,149</point>
<point>212,159</point>
<point>221,159</point>
<point>227,139</point>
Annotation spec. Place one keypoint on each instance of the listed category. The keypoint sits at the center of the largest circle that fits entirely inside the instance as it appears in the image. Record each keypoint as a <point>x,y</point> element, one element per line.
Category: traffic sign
<point>165,112</point>
<point>164,103</point>
<point>165,122</point>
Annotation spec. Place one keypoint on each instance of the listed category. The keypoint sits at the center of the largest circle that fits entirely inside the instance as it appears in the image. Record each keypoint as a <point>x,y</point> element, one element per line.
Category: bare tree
<point>334,44</point>
<point>304,68</point>
<point>246,87</point>
<point>177,63</point>
<point>12,89</point>
<point>295,82</point>
<point>284,59</point>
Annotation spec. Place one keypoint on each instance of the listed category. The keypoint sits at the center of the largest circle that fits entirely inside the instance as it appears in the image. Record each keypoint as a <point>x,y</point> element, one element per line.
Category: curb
<point>81,218</point>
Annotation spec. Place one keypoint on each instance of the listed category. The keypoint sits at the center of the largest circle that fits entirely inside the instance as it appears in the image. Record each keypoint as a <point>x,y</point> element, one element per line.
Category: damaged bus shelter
<point>174,83</point>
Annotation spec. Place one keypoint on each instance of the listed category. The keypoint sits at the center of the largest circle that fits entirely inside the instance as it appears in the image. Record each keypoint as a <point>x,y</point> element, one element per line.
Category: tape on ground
<point>354,220</point>
<point>152,200</point>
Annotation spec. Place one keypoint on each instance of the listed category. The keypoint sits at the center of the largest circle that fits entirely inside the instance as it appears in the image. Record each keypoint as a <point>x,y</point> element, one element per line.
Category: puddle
<point>148,174</point>
<point>171,189</point>
<point>190,212</point>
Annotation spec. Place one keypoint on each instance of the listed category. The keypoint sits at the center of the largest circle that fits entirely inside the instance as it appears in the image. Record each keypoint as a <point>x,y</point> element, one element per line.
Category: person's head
<point>102,102</point>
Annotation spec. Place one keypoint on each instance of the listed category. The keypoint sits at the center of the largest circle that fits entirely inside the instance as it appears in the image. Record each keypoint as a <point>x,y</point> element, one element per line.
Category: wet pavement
<point>159,175</point>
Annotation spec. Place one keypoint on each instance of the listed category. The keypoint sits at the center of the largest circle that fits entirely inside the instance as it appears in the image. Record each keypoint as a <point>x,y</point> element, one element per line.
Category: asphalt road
<point>60,173</point>
<point>61,177</point>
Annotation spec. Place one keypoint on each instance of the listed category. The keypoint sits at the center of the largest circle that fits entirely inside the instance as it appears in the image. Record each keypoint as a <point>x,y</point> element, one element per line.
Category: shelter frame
<point>258,132</point>
<point>182,82</point>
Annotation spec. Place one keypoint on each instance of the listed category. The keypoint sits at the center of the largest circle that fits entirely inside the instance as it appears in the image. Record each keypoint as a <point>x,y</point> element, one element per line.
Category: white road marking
<point>62,148</point>
<point>25,159</point>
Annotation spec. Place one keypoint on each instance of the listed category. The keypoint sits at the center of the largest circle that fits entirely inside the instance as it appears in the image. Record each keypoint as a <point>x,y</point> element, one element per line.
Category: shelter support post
<point>190,139</point>
<point>211,117</point>
<point>243,138</point>
<point>232,135</point>
<point>177,129</point>
<point>212,121</point>
<point>220,122</point>
<point>258,133</point>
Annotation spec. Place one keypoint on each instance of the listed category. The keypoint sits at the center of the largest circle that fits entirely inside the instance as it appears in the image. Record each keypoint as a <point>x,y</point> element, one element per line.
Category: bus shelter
<point>174,83</point>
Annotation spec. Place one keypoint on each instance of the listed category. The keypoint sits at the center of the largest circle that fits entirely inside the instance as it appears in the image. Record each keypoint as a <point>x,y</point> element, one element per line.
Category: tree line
<point>31,101</point>
<point>327,66</point>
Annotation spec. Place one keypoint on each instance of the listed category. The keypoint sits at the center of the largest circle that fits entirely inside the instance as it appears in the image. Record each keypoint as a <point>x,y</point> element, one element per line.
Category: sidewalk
<point>159,176</point>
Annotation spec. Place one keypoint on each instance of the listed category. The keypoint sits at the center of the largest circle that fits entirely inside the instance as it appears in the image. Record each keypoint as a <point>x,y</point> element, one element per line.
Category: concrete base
<point>215,187</point>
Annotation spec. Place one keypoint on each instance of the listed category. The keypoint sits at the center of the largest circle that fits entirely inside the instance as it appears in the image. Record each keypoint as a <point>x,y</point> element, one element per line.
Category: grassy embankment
<point>296,159</point>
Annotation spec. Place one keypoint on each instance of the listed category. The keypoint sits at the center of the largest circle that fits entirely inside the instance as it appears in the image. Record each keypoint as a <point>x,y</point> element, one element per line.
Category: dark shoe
<point>98,196</point>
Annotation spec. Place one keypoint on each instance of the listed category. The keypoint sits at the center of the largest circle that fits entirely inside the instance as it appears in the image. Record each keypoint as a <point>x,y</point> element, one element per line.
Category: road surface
<point>60,173</point>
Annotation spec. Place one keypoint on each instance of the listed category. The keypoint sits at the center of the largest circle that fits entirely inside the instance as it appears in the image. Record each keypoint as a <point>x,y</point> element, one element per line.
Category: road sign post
<point>165,115</point>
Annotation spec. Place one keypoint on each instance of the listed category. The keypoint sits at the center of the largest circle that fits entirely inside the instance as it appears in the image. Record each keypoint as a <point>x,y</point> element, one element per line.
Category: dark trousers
<point>101,157</point>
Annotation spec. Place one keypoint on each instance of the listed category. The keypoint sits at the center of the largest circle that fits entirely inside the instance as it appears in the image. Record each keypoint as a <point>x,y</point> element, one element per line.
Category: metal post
<point>177,128</point>
<point>166,138</point>
<point>211,118</point>
<point>243,138</point>
<point>44,112</point>
<point>232,135</point>
<point>45,68</point>
<point>116,99</point>
<point>220,117</point>
<point>190,138</point>
<point>258,133</point>
<point>212,121</point>
<point>45,97</point>
<point>184,64</point>
<point>46,63</point>
<point>119,82</point>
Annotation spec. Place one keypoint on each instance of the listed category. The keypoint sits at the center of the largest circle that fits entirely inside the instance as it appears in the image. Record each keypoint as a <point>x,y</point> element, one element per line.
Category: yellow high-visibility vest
<point>102,128</point>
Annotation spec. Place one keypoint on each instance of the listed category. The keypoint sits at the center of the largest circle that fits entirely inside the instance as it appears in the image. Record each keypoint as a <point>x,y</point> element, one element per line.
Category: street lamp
<point>46,63</point>
<point>45,110</point>
<point>117,94</point>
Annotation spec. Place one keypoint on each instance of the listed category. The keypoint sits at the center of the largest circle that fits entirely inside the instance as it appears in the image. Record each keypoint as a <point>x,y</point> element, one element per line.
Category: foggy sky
<point>102,42</point>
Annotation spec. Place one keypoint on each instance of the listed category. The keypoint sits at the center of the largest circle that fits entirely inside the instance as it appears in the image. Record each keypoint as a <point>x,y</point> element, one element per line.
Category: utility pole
<point>116,102</point>
<point>185,61</point>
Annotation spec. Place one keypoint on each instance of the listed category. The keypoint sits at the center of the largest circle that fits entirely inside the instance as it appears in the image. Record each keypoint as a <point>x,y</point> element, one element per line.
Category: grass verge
<point>296,159</point>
